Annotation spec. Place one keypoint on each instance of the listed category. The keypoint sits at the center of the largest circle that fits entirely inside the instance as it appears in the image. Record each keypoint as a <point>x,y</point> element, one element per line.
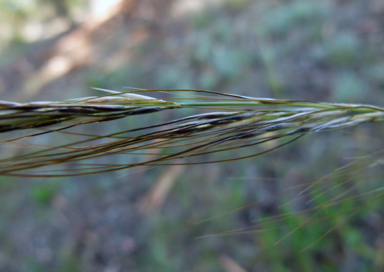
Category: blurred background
<point>330,50</point>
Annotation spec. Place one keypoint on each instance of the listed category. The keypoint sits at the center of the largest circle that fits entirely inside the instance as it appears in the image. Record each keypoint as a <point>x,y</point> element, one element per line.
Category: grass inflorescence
<point>228,122</point>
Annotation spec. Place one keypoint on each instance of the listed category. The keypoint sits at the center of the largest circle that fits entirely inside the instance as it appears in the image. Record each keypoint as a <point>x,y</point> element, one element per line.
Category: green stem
<point>352,108</point>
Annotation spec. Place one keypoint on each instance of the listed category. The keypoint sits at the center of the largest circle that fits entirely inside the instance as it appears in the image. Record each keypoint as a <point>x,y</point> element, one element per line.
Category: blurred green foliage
<point>349,87</point>
<point>44,193</point>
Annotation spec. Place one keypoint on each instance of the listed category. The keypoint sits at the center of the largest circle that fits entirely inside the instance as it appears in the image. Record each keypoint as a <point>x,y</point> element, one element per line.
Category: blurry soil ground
<point>145,221</point>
